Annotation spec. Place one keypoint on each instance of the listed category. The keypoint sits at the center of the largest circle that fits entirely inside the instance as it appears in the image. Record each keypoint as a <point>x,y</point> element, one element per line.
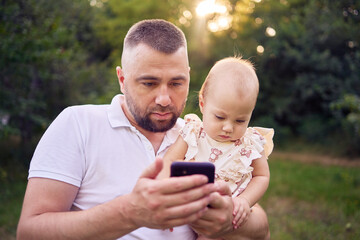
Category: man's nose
<point>163,97</point>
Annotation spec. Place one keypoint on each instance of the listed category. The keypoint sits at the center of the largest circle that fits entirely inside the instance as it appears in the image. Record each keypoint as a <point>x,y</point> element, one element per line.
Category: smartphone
<point>189,168</point>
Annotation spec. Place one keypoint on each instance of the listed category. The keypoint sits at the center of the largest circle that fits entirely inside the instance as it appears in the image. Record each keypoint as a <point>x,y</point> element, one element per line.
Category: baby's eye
<point>219,117</point>
<point>240,121</point>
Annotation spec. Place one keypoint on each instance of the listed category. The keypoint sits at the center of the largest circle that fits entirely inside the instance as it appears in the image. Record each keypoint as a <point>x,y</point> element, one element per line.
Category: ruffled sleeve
<point>249,147</point>
<point>190,133</point>
<point>259,140</point>
<point>267,134</point>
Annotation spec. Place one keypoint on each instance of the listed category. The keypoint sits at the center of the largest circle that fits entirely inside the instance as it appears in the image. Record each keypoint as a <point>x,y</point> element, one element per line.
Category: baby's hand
<point>241,211</point>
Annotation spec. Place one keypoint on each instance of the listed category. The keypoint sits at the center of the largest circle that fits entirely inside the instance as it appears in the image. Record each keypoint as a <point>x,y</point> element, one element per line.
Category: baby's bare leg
<point>256,227</point>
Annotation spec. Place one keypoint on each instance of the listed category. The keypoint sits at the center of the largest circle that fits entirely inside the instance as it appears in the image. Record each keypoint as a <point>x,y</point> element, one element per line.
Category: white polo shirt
<point>95,148</point>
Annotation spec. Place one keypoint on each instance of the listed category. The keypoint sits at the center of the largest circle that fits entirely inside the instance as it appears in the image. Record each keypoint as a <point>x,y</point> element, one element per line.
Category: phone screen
<point>189,168</point>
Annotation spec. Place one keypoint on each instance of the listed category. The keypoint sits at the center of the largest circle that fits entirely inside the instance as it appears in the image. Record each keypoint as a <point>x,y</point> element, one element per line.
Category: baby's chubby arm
<point>259,182</point>
<point>253,192</point>
<point>176,152</point>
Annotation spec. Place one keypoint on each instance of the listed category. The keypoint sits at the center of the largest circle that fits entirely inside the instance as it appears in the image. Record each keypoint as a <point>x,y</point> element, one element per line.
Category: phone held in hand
<point>188,168</point>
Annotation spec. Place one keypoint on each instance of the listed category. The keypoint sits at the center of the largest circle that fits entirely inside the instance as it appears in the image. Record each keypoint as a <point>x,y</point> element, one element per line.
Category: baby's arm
<point>176,152</point>
<point>253,192</point>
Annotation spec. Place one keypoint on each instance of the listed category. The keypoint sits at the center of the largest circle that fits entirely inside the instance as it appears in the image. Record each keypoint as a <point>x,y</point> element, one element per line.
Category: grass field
<point>313,201</point>
<point>11,197</point>
<point>304,201</point>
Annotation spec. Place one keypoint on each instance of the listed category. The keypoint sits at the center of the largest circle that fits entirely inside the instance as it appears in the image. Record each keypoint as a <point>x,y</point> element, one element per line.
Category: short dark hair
<point>159,34</point>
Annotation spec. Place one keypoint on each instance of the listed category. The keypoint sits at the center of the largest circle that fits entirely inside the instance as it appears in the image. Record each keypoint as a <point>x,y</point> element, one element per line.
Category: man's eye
<point>176,84</point>
<point>148,84</point>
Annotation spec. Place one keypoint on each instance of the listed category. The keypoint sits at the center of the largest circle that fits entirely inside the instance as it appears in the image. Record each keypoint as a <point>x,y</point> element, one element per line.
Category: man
<point>93,174</point>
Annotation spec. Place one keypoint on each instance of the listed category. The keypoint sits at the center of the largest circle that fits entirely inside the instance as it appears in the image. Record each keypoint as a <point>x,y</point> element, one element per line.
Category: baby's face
<point>226,114</point>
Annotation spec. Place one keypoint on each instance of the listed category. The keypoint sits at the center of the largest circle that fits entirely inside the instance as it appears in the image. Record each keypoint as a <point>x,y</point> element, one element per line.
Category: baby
<point>227,99</point>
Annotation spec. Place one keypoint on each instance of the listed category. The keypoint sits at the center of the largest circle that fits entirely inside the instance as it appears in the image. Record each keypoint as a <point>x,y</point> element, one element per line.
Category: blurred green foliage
<point>347,110</point>
<point>313,62</point>
<point>58,53</point>
<point>46,64</point>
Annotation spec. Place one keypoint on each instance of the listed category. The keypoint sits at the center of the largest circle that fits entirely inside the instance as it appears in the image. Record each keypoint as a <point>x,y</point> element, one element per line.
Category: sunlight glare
<point>97,3</point>
<point>270,32</point>
<point>223,22</point>
<point>260,49</point>
<point>209,7</point>
<point>187,14</point>
<point>258,20</point>
<point>219,23</point>
<point>213,26</point>
<point>182,20</point>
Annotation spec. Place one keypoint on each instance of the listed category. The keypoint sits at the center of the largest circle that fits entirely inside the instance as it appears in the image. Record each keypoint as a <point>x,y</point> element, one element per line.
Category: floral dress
<point>232,160</point>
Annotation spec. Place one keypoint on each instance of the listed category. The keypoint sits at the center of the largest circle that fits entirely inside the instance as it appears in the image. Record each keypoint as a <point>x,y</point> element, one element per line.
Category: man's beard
<point>144,121</point>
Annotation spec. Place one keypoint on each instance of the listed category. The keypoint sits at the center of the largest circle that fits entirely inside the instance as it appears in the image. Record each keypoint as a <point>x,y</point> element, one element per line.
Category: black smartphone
<point>189,168</point>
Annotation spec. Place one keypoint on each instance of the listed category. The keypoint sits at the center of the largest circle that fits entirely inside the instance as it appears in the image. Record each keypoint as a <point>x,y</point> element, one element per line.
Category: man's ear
<point>120,76</point>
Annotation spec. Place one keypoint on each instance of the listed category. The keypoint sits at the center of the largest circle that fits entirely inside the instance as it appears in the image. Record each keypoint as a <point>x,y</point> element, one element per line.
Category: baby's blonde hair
<point>245,79</point>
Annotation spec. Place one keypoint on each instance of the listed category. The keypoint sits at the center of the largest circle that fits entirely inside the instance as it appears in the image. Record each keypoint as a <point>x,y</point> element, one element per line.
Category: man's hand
<point>168,202</point>
<point>217,220</point>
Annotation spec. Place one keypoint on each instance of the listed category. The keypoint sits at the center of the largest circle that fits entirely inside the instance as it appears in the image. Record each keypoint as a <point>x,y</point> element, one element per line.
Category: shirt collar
<point>171,135</point>
<point>116,114</point>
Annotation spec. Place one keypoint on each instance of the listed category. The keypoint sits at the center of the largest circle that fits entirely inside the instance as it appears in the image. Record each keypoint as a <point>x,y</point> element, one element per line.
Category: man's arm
<point>152,203</point>
<point>46,214</point>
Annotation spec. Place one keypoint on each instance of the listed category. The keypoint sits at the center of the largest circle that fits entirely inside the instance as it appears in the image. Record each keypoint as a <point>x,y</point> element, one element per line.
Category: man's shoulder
<point>84,113</point>
<point>87,109</point>
<point>173,133</point>
<point>180,123</point>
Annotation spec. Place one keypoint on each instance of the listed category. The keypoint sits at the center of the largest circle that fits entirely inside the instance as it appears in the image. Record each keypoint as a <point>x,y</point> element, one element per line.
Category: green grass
<point>12,190</point>
<point>310,201</point>
<point>11,197</point>
<point>304,201</point>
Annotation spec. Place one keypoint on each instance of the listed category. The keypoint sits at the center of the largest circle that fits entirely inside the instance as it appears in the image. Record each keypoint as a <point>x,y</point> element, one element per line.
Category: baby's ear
<point>201,103</point>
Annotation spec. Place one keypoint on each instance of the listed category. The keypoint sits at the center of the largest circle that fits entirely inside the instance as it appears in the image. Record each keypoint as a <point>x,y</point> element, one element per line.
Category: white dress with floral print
<point>232,160</point>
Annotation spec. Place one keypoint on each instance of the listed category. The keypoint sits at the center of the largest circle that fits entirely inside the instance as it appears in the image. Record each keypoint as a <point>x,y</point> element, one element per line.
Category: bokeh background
<point>306,52</point>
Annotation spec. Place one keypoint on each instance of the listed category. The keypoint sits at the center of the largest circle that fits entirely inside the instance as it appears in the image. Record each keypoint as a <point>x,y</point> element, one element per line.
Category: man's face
<point>155,86</point>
